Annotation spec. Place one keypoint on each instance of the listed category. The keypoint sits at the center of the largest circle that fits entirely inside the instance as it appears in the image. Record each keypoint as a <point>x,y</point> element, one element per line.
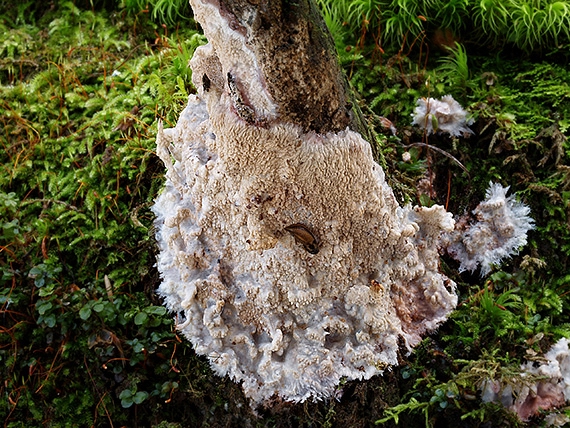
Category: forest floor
<point>84,339</point>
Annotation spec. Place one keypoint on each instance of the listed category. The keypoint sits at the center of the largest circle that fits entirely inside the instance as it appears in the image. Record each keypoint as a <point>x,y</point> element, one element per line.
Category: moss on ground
<point>84,341</point>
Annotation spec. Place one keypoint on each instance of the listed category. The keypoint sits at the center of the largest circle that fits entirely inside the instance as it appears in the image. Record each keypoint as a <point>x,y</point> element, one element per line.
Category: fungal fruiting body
<point>283,251</point>
<point>445,115</point>
<point>499,230</point>
<point>540,387</point>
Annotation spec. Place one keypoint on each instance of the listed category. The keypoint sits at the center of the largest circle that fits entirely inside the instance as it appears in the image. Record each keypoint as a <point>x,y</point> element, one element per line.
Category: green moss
<point>532,26</point>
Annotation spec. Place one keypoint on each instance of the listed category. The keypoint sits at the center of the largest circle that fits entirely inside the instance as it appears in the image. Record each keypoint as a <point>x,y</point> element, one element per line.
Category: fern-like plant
<point>456,68</point>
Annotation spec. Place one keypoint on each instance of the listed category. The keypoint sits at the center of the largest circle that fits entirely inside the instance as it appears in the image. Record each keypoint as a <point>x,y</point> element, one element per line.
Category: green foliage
<point>393,413</point>
<point>129,397</point>
<point>84,338</point>
<point>488,337</point>
<point>491,16</point>
<point>451,402</point>
<point>332,15</point>
<point>456,68</point>
<point>169,12</point>
<point>529,25</point>
<point>536,23</point>
<point>388,22</point>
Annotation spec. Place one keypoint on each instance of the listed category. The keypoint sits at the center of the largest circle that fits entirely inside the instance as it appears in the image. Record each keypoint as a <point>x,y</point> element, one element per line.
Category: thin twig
<point>443,152</point>
<point>45,200</point>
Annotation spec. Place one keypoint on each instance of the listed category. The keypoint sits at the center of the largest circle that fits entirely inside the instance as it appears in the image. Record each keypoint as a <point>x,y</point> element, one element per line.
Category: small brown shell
<point>305,237</point>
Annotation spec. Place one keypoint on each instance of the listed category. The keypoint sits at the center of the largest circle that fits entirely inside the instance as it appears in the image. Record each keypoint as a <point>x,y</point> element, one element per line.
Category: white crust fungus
<point>286,322</point>
<point>499,231</point>
<point>542,386</point>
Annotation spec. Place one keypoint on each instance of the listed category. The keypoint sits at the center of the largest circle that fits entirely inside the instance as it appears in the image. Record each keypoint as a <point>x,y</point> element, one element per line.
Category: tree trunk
<point>298,61</point>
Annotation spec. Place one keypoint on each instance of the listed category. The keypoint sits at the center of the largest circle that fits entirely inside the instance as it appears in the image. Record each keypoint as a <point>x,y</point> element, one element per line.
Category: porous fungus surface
<point>284,252</point>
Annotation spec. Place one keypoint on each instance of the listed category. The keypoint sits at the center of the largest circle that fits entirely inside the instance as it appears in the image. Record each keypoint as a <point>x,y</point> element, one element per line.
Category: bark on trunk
<point>299,63</point>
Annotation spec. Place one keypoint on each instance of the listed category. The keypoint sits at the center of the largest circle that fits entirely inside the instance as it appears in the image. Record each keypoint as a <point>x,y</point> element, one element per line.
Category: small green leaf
<point>140,396</point>
<point>98,307</point>
<point>141,318</point>
<point>136,344</point>
<point>155,310</point>
<point>85,312</point>
<point>36,270</point>
<point>50,320</point>
<point>43,307</point>
<point>126,398</point>
<point>125,394</point>
<point>434,123</point>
